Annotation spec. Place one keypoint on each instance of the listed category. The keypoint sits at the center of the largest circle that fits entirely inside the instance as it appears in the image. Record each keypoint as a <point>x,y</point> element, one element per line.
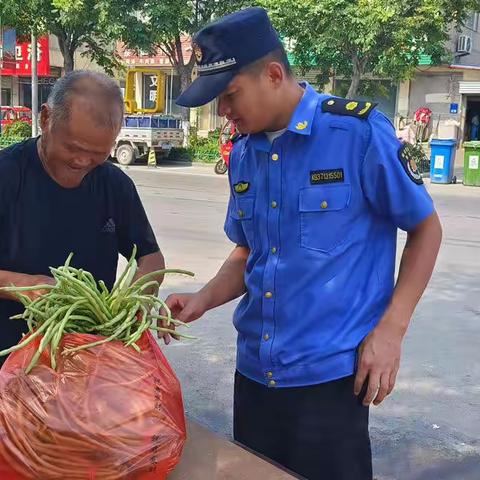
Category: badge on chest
<point>241,187</point>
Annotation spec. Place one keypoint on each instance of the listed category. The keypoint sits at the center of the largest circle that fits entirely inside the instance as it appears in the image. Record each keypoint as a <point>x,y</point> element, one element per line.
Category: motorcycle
<point>227,136</point>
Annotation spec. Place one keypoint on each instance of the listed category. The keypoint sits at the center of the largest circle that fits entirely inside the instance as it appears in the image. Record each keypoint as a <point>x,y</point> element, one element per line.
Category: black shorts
<point>320,432</point>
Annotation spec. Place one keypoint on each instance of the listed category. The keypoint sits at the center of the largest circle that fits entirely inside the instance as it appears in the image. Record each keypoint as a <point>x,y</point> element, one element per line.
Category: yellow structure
<point>152,158</point>
<point>134,89</point>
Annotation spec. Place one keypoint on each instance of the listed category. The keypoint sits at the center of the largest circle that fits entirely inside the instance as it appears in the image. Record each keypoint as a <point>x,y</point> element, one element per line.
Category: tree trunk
<point>357,73</point>
<point>184,70</point>
<point>68,52</point>
<point>185,73</point>
<point>68,61</point>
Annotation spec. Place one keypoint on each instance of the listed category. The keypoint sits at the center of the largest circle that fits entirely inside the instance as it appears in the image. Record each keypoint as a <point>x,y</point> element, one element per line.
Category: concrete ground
<point>429,429</point>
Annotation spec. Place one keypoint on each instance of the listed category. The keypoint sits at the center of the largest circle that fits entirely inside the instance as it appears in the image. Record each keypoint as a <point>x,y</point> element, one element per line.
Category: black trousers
<point>319,432</point>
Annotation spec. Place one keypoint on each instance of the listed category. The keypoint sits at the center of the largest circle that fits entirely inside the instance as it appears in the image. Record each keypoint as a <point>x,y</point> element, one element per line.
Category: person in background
<point>474,126</point>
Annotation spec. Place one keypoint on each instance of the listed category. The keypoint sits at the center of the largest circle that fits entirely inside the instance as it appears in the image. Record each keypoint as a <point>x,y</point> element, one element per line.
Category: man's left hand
<point>379,361</point>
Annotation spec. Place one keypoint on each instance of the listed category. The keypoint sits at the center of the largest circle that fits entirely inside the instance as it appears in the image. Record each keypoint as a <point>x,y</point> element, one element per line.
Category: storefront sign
<point>23,59</point>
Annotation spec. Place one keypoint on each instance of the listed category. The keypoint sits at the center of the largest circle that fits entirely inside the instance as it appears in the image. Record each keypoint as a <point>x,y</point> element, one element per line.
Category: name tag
<point>327,176</point>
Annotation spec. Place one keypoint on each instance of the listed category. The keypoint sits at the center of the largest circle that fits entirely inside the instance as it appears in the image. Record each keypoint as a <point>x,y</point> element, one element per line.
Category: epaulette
<point>344,106</point>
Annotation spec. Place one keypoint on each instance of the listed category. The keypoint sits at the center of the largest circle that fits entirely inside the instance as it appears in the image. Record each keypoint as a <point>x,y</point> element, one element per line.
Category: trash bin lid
<point>441,142</point>
<point>472,144</point>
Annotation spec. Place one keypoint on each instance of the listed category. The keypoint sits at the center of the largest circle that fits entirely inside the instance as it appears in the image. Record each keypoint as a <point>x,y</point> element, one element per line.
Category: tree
<point>358,38</point>
<point>163,24</point>
<point>92,24</point>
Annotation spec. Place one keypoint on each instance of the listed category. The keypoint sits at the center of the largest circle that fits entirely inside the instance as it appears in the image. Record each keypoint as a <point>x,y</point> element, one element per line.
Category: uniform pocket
<point>244,209</point>
<point>323,216</point>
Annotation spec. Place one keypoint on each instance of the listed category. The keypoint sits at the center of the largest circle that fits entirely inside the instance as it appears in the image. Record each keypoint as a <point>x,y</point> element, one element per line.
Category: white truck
<point>141,132</point>
<point>145,126</point>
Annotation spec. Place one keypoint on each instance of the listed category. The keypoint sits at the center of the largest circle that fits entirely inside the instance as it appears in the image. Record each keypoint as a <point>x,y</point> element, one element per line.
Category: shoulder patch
<point>407,159</point>
<point>344,106</point>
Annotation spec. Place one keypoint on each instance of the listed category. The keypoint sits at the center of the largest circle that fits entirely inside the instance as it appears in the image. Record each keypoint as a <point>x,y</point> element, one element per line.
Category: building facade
<point>450,91</point>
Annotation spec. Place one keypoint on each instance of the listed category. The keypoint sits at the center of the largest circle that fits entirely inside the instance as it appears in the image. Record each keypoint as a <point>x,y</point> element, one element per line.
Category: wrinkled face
<point>251,100</point>
<point>73,149</point>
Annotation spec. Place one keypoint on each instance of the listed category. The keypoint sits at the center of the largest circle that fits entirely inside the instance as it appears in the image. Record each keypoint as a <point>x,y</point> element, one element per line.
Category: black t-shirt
<point>42,222</point>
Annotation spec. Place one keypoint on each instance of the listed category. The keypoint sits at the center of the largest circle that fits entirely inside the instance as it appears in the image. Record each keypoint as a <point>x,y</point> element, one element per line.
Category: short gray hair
<point>101,91</point>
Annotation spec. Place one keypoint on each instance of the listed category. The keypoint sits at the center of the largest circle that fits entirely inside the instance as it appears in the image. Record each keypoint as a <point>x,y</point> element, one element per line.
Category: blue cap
<point>223,48</point>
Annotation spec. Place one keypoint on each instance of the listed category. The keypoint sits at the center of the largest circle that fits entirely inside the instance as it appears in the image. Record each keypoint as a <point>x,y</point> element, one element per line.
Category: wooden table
<point>209,457</point>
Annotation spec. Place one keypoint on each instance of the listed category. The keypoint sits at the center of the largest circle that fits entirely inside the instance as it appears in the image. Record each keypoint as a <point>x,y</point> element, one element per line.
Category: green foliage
<point>201,149</point>
<point>160,24</point>
<point>350,38</point>
<point>93,24</point>
<point>19,130</point>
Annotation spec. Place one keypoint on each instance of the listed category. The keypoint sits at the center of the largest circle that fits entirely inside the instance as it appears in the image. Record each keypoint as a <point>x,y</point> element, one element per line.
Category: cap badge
<point>197,52</point>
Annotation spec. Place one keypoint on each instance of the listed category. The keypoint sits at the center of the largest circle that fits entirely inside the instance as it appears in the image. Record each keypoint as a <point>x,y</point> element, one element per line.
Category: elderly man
<point>59,194</point>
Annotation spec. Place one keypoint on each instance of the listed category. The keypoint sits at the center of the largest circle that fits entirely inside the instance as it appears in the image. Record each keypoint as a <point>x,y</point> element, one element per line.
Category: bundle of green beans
<point>77,303</point>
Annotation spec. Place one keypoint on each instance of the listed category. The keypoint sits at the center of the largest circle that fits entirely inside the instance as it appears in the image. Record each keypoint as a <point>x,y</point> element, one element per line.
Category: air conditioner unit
<point>464,45</point>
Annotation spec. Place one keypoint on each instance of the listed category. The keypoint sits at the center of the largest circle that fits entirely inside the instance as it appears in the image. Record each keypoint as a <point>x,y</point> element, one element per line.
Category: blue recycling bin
<point>442,161</point>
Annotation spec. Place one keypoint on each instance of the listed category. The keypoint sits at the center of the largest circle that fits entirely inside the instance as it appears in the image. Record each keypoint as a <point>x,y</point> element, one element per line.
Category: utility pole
<point>34,86</point>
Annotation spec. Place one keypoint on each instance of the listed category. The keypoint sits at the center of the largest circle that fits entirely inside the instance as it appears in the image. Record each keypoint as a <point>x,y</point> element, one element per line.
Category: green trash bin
<point>471,174</point>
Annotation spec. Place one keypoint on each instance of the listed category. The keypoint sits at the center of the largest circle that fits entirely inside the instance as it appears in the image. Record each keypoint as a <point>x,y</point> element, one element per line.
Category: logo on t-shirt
<point>109,227</point>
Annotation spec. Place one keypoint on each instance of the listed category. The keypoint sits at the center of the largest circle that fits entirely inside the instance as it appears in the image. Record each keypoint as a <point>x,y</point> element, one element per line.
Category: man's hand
<point>227,285</point>
<point>185,307</point>
<point>24,280</point>
<point>379,361</point>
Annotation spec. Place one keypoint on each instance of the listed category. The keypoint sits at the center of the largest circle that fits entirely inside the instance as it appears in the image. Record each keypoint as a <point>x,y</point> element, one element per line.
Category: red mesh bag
<point>106,413</point>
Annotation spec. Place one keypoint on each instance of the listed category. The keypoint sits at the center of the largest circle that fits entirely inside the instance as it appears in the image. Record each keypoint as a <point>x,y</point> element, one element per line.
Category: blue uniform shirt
<point>319,210</point>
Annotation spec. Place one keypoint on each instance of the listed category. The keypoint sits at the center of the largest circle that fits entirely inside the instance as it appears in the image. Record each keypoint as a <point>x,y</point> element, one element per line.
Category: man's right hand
<point>228,284</point>
<point>185,307</point>
<point>10,279</point>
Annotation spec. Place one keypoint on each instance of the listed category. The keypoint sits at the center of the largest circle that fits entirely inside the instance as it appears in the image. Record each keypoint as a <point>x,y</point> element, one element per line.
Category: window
<point>43,93</point>
<point>6,97</point>
<point>472,21</point>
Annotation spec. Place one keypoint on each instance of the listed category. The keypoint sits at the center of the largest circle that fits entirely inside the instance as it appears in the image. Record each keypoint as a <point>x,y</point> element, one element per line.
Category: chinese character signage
<point>149,91</point>
<point>23,59</point>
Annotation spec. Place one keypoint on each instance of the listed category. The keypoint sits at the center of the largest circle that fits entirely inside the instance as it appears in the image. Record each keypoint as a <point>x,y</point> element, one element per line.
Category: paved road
<point>429,429</point>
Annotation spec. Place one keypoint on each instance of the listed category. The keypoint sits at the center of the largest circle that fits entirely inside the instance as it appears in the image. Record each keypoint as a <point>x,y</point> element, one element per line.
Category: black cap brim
<point>205,88</point>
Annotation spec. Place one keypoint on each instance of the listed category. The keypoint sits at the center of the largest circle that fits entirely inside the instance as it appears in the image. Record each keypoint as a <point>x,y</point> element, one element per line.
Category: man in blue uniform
<point>58,194</point>
<point>319,187</point>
